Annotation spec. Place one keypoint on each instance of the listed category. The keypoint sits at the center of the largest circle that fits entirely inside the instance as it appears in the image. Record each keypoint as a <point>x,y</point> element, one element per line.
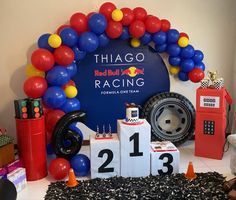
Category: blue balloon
<point>43,42</point>
<point>172,36</point>
<point>200,65</point>
<point>174,60</point>
<point>161,48</point>
<point>71,104</point>
<point>54,97</point>
<point>159,37</point>
<point>103,40</point>
<point>49,149</point>
<point>173,49</point>
<point>183,76</point>
<point>146,38</point>
<point>80,164</point>
<point>97,23</point>
<point>187,65</point>
<point>198,56</point>
<point>69,37</point>
<point>71,69</point>
<point>57,76</point>
<point>73,127</point>
<point>79,55</point>
<point>125,34</point>
<point>187,52</point>
<point>88,42</point>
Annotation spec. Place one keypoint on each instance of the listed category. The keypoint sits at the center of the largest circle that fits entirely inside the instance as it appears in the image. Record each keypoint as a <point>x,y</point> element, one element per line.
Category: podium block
<point>105,157</point>
<point>164,158</point>
<point>134,149</point>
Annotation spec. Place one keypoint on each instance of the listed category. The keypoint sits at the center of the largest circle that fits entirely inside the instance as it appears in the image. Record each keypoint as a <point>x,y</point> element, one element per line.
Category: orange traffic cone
<point>190,172</point>
<point>72,182</point>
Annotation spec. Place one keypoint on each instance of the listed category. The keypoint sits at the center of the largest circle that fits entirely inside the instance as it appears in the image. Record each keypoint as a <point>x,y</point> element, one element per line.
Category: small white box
<point>105,157</point>
<point>134,148</point>
<point>18,178</point>
<point>164,158</point>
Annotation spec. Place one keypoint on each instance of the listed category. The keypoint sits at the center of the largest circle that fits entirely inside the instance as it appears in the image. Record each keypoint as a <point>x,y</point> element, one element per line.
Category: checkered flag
<point>205,83</point>
<point>218,83</point>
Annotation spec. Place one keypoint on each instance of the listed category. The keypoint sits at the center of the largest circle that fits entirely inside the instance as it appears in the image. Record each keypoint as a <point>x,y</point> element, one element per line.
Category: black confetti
<point>207,186</point>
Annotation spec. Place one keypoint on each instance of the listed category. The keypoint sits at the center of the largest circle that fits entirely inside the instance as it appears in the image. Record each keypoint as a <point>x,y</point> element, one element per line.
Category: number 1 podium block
<point>134,148</point>
<point>164,158</point>
<point>105,156</point>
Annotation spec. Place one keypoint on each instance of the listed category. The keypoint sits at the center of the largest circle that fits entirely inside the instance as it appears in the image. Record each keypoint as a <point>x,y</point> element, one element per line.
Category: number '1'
<point>135,138</point>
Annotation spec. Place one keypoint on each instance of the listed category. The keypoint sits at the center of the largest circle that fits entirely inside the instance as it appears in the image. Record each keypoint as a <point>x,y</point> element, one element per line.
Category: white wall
<point>210,25</point>
<point>233,87</point>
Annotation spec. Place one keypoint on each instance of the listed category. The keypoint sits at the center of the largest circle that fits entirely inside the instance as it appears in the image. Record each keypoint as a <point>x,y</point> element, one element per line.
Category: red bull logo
<point>132,71</point>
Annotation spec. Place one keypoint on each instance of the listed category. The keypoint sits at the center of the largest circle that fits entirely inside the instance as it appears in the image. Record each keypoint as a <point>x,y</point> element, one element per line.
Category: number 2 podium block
<point>105,157</point>
<point>164,158</point>
<point>134,149</point>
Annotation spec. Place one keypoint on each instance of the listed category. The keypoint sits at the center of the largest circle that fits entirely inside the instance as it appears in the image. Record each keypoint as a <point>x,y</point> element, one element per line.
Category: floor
<point>36,190</point>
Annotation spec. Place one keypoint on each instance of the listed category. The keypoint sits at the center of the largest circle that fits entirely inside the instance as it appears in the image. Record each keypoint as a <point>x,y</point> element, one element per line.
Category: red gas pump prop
<point>211,121</point>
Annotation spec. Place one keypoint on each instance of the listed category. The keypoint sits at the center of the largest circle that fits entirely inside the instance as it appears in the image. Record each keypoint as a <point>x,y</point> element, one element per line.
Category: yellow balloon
<point>174,70</point>
<point>32,71</point>
<point>135,42</point>
<point>71,91</point>
<point>54,40</point>
<point>117,15</point>
<point>183,41</point>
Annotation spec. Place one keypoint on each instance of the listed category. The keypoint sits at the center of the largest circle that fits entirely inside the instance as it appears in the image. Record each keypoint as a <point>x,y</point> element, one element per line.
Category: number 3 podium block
<point>134,149</point>
<point>164,158</point>
<point>105,157</point>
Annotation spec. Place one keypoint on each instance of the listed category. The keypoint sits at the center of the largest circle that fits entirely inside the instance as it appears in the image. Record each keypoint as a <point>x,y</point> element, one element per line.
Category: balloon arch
<point>54,63</point>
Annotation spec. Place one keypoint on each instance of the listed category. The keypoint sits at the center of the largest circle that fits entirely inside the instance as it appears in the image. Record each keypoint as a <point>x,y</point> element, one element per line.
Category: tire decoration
<point>171,116</point>
<point>62,133</point>
<point>54,63</point>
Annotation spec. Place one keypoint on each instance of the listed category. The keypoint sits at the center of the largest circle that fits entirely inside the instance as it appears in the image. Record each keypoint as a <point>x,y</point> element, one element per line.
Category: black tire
<point>172,117</point>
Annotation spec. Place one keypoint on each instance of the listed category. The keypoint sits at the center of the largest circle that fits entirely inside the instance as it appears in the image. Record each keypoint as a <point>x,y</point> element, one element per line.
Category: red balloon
<point>90,14</point>
<point>70,83</point>
<point>106,9</point>
<point>152,24</point>
<point>60,28</point>
<point>149,16</point>
<point>49,137</point>
<point>165,25</point>
<point>182,34</point>
<point>196,75</point>
<point>35,86</point>
<point>137,29</point>
<point>78,21</point>
<point>140,13</point>
<point>64,55</point>
<point>42,59</point>
<point>128,16</point>
<point>51,118</point>
<point>114,29</point>
<point>59,168</point>
<point>46,109</point>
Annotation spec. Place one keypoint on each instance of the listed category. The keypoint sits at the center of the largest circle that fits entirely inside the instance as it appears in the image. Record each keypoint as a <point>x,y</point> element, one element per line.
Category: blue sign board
<point>116,74</point>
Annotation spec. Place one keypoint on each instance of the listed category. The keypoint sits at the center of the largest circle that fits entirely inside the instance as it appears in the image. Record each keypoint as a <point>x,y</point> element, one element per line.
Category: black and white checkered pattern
<point>205,83</point>
<point>132,120</point>
<point>218,83</point>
